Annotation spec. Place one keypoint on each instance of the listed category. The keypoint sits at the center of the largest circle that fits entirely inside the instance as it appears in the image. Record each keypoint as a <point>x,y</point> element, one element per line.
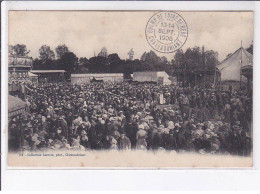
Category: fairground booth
<point>196,76</point>
<point>18,72</point>
<point>49,76</point>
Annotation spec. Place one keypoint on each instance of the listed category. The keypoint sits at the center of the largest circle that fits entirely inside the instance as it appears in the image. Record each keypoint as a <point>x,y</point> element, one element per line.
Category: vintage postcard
<point>130,89</point>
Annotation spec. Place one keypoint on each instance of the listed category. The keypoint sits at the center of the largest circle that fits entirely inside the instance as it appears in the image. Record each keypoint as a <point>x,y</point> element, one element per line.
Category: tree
<point>103,52</point>
<point>114,58</point>
<point>81,69</point>
<point>150,58</point>
<point>99,64</point>
<point>131,54</point>
<point>61,50</point>
<point>68,62</point>
<point>46,53</point>
<point>18,50</point>
<point>115,63</point>
<point>143,57</point>
<point>179,59</point>
<point>39,64</point>
<point>211,58</point>
<point>83,61</point>
<point>195,57</point>
<point>164,60</point>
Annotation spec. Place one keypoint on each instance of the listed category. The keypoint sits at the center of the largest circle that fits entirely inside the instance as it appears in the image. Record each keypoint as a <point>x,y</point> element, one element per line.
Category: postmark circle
<point>166,32</point>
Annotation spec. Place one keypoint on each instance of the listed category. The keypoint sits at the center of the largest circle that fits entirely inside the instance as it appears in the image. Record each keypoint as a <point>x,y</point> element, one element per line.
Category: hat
<point>170,125</point>
<point>165,130</point>
<point>83,132</point>
<point>177,125</point>
<point>141,126</point>
<point>237,122</point>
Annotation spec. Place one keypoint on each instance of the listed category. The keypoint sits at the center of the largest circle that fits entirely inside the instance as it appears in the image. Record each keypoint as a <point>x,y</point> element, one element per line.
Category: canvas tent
<point>160,77</point>
<point>230,68</point>
<point>15,106</point>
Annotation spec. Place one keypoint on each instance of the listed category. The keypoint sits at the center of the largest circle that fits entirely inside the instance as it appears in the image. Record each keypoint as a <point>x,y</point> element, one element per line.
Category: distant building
<point>159,77</point>
<point>89,77</point>
<point>48,76</point>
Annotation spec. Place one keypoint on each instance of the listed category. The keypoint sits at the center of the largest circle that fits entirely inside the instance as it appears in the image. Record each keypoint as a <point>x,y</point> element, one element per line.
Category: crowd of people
<point>120,116</point>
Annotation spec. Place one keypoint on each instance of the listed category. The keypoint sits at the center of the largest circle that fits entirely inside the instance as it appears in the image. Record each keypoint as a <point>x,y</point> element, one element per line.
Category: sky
<point>86,32</point>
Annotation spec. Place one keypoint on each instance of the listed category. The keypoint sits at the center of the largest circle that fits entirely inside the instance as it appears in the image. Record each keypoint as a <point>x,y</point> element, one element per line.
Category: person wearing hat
<point>53,124</point>
<point>84,139</point>
<point>64,127</point>
<point>124,142</point>
<point>167,139</point>
<point>113,143</point>
<point>131,129</point>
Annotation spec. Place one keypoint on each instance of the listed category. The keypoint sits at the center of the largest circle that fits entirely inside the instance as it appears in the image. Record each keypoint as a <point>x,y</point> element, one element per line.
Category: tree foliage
<point>83,61</point>
<point>131,54</point>
<point>46,53</point>
<point>250,49</point>
<point>68,62</point>
<point>18,50</point>
<point>61,50</point>
<point>195,57</point>
<point>149,61</point>
<point>98,64</point>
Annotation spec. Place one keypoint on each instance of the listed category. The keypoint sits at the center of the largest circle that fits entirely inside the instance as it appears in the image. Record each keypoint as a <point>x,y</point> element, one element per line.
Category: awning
<point>15,104</point>
<point>32,74</point>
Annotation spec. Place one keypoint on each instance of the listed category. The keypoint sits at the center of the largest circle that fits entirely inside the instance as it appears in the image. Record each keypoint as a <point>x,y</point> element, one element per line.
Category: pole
<point>204,65</point>
<point>214,82</point>
<point>241,65</point>
<point>185,76</point>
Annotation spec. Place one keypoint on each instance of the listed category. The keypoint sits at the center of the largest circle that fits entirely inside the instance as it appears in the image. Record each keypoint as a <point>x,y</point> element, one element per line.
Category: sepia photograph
<point>156,89</point>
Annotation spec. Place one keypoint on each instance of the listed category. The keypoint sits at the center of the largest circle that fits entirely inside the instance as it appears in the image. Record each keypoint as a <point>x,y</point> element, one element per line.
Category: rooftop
<point>47,71</point>
<point>98,75</point>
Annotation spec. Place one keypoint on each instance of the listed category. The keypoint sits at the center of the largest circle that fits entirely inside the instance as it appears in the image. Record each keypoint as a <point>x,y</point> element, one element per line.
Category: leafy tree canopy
<point>61,50</point>
<point>18,50</point>
<point>46,53</point>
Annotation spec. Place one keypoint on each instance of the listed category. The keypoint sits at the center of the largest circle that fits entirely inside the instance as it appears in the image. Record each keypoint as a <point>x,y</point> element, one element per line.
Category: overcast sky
<point>87,31</point>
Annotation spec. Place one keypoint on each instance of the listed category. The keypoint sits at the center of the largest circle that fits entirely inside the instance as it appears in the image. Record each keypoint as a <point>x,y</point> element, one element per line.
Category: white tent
<point>230,67</point>
<point>152,76</point>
